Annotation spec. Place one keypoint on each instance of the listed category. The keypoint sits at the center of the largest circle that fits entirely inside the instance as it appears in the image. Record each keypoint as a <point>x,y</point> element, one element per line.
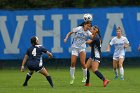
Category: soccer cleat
<point>122,78</point>
<point>105,82</point>
<point>116,77</point>
<point>84,79</point>
<point>87,84</point>
<point>25,84</point>
<point>72,81</point>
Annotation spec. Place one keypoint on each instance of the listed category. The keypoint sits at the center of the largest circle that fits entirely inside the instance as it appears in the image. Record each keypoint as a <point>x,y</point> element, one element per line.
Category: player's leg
<point>44,72</point>
<point>28,76</point>
<point>88,65</point>
<point>82,60</point>
<point>73,62</point>
<point>121,60</point>
<point>115,68</point>
<point>95,66</point>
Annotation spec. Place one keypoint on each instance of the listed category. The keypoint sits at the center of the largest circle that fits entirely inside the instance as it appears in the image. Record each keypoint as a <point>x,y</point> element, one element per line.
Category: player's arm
<point>49,54</point>
<point>67,36</point>
<point>108,48</point>
<point>109,45</point>
<point>23,62</point>
<point>126,44</point>
<point>89,41</point>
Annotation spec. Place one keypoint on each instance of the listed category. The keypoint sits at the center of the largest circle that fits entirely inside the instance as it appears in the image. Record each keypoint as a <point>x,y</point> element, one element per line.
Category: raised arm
<point>23,62</point>
<point>67,36</point>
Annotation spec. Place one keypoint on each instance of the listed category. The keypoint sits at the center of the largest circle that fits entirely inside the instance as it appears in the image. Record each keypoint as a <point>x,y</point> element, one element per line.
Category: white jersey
<point>80,37</point>
<point>119,45</point>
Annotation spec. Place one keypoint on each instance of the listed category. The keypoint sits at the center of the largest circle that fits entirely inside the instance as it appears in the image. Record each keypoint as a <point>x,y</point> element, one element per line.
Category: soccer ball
<point>87,17</point>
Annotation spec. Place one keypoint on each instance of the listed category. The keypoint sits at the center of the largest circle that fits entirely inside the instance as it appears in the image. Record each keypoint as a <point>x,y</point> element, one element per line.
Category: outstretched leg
<point>28,76</point>
<point>95,66</point>
<point>46,74</point>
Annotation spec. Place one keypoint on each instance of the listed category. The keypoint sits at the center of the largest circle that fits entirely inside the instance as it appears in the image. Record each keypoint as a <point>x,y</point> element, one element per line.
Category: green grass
<point>11,82</point>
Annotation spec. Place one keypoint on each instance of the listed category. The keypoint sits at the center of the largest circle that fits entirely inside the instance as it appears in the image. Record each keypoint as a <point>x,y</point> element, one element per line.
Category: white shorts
<point>76,51</point>
<point>117,58</point>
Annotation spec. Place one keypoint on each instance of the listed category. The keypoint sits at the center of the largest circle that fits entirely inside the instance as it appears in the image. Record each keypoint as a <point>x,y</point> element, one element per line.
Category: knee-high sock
<point>72,71</point>
<point>88,76</point>
<point>99,75</point>
<point>85,72</point>
<point>28,76</point>
<point>49,80</point>
<point>121,71</point>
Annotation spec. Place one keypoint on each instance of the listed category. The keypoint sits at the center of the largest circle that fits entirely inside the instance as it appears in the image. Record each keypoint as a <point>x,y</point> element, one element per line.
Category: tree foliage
<point>38,4</point>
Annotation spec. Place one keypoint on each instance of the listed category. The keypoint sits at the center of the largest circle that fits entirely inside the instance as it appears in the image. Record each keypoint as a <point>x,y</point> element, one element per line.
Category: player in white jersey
<point>78,47</point>
<point>120,42</point>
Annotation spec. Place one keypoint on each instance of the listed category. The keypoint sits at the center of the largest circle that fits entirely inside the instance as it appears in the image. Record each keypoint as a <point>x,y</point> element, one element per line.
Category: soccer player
<point>95,58</point>
<point>78,47</point>
<point>33,57</point>
<point>120,42</point>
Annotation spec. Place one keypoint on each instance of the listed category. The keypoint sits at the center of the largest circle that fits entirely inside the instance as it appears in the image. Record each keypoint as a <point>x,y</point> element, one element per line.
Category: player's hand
<point>22,69</point>
<point>126,45</point>
<point>50,55</point>
<point>65,40</point>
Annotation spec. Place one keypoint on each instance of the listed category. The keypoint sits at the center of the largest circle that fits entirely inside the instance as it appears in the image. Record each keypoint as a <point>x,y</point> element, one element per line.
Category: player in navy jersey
<point>95,58</point>
<point>33,57</point>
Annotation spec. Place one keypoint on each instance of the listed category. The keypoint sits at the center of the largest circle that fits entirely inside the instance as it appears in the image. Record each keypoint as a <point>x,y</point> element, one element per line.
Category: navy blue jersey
<point>96,47</point>
<point>35,56</point>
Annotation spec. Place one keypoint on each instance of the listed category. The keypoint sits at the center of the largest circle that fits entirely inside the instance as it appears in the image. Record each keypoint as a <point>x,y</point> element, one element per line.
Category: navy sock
<point>28,76</point>
<point>50,80</point>
<point>99,75</point>
<point>88,77</point>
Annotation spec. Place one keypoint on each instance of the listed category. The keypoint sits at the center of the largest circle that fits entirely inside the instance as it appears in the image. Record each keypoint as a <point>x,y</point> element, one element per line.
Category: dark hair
<point>119,28</point>
<point>33,40</point>
<point>98,32</point>
<point>82,24</point>
<point>87,22</point>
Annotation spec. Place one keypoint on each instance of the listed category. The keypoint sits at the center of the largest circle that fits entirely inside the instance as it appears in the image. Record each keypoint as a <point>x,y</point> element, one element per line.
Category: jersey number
<point>34,52</point>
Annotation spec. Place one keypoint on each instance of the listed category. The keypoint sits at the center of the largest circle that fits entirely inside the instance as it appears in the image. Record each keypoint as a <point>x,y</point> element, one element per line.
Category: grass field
<point>11,82</point>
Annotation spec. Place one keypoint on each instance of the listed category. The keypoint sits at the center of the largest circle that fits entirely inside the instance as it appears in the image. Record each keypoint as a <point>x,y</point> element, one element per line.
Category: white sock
<point>121,71</point>
<point>85,72</point>
<point>116,72</point>
<point>72,71</point>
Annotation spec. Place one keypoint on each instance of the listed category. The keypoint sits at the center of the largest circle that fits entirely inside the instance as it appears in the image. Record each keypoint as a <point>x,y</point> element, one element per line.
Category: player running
<point>33,57</point>
<point>120,42</point>
<point>94,61</point>
<point>78,47</point>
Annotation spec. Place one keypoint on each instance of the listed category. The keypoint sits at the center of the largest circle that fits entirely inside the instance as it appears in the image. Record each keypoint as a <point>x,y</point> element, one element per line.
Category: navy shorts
<point>34,67</point>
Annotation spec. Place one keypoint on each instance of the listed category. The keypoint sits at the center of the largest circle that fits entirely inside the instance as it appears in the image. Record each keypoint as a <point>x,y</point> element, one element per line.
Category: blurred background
<point>22,19</point>
<point>33,4</point>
